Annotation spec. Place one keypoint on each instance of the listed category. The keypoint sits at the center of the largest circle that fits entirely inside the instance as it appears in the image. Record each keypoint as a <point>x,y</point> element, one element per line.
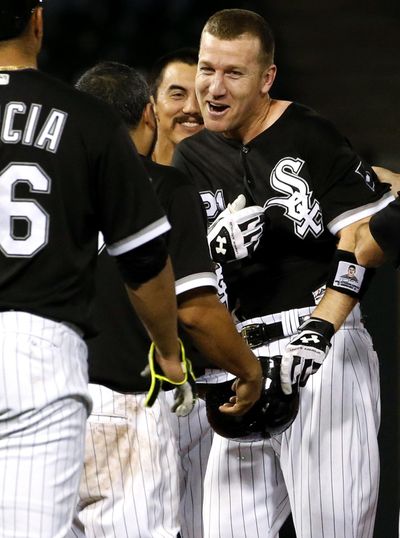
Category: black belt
<point>258,334</point>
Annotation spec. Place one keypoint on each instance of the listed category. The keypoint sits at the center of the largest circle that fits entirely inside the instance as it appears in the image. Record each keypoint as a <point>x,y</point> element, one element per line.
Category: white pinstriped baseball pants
<point>194,437</point>
<point>44,404</point>
<point>129,484</point>
<point>326,463</point>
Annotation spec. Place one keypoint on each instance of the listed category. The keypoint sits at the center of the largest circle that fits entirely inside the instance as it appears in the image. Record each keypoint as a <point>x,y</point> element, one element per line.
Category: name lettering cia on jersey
<point>49,135</point>
<point>299,204</point>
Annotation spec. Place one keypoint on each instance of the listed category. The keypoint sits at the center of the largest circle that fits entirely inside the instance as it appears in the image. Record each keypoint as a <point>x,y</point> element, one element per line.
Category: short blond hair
<point>230,24</point>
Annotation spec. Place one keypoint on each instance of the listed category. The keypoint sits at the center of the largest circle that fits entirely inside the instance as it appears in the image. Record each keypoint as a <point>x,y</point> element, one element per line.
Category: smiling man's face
<point>231,83</point>
<point>176,108</point>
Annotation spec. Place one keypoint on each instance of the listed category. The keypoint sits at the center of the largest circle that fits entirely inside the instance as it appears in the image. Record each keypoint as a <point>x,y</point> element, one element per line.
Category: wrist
<point>321,326</point>
<point>253,372</point>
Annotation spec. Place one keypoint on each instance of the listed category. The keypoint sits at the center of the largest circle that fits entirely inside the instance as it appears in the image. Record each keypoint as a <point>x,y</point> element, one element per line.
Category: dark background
<point>342,57</point>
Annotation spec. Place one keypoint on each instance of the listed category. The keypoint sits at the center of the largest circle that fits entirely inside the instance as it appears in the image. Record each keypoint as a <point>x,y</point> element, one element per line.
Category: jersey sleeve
<point>187,241</point>
<point>346,186</point>
<point>129,211</point>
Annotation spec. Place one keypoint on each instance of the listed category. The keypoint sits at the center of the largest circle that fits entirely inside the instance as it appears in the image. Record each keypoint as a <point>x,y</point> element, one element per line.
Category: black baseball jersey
<point>311,184</point>
<point>385,229</point>
<point>67,169</point>
<point>119,353</point>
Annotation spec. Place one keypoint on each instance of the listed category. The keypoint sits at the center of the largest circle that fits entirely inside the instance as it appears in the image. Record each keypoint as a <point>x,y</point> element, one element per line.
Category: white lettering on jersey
<point>214,203</point>
<point>8,134</point>
<point>299,204</point>
<point>31,123</point>
<point>50,134</point>
<point>14,209</point>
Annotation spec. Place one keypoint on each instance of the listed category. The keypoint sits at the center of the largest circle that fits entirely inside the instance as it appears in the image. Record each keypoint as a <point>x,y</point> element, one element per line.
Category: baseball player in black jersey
<point>286,291</point>
<point>68,170</point>
<point>118,497</point>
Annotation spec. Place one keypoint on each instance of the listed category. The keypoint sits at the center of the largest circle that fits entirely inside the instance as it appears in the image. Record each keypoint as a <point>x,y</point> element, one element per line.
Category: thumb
<point>238,204</point>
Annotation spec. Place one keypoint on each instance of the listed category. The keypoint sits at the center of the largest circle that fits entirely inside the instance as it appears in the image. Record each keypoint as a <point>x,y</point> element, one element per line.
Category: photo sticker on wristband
<point>349,276</point>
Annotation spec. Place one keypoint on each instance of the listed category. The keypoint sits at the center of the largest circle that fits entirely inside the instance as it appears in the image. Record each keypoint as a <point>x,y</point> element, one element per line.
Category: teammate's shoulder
<point>305,113</point>
<point>202,139</point>
<point>311,123</point>
<point>163,175</point>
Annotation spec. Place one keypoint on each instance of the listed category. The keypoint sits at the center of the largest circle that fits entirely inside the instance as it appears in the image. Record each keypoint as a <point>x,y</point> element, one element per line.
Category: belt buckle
<point>253,335</point>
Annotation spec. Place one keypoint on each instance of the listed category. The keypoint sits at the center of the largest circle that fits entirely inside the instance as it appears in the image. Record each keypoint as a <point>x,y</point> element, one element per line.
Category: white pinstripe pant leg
<point>129,487</point>
<point>244,492</point>
<point>43,409</point>
<point>194,437</point>
<point>329,456</point>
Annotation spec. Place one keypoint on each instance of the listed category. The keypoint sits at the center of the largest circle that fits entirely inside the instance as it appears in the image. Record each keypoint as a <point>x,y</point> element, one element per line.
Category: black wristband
<point>347,276</point>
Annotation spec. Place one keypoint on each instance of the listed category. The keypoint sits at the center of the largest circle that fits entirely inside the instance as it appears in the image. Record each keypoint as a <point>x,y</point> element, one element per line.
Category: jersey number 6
<point>34,218</point>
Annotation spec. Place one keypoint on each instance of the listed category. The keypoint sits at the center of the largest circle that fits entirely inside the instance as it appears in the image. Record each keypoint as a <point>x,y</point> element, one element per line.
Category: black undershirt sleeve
<point>143,263</point>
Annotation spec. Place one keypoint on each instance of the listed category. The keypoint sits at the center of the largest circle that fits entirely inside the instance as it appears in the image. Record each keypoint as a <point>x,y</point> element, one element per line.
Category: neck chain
<point>15,67</point>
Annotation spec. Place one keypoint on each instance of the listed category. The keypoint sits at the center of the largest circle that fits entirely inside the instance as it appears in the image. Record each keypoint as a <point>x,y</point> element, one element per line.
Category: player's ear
<point>37,24</point>
<point>149,116</point>
<point>267,78</point>
<point>154,106</point>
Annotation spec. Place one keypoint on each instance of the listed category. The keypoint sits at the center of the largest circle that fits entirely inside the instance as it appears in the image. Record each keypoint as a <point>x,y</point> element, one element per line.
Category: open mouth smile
<point>216,109</point>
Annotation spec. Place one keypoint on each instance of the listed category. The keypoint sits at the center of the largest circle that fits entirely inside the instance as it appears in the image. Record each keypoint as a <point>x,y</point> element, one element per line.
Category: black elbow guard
<point>143,263</point>
<point>347,276</point>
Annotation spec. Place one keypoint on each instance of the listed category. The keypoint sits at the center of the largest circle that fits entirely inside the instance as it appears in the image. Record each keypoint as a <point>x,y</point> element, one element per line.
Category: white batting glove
<point>185,397</point>
<point>305,353</point>
<point>236,232</point>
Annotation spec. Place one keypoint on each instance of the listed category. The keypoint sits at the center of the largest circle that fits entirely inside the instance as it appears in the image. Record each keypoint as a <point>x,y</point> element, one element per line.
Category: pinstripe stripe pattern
<point>129,486</point>
<point>329,456</point>
<point>43,409</point>
<point>194,436</point>
<point>244,492</point>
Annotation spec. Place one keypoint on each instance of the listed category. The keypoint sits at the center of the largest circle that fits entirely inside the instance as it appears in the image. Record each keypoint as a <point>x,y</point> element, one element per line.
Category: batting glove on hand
<point>185,394</point>
<point>185,397</point>
<point>305,353</point>
<point>236,232</point>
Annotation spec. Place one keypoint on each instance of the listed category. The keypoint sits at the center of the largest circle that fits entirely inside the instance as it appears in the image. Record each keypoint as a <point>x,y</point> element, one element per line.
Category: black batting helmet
<point>271,415</point>
<point>14,16</point>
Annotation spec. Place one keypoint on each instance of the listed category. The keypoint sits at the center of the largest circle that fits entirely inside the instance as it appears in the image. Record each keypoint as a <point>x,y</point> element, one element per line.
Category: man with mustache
<point>174,101</point>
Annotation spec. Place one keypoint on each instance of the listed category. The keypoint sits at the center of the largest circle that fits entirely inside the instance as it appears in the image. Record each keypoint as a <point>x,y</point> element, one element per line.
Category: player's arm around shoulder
<point>388,176</point>
<point>211,328</point>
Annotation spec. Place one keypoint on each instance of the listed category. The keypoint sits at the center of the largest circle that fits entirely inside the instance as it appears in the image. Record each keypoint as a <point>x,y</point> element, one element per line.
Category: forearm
<point>211,328</point>
<point>335,307</point>
<point>367,251</point>
<point>155,303</point>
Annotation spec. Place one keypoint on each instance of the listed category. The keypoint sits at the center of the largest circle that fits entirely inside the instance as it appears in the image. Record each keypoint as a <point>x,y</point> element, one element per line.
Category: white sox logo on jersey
<point>369,181</point>
<point>213,203</point>
<point>298,203</point>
